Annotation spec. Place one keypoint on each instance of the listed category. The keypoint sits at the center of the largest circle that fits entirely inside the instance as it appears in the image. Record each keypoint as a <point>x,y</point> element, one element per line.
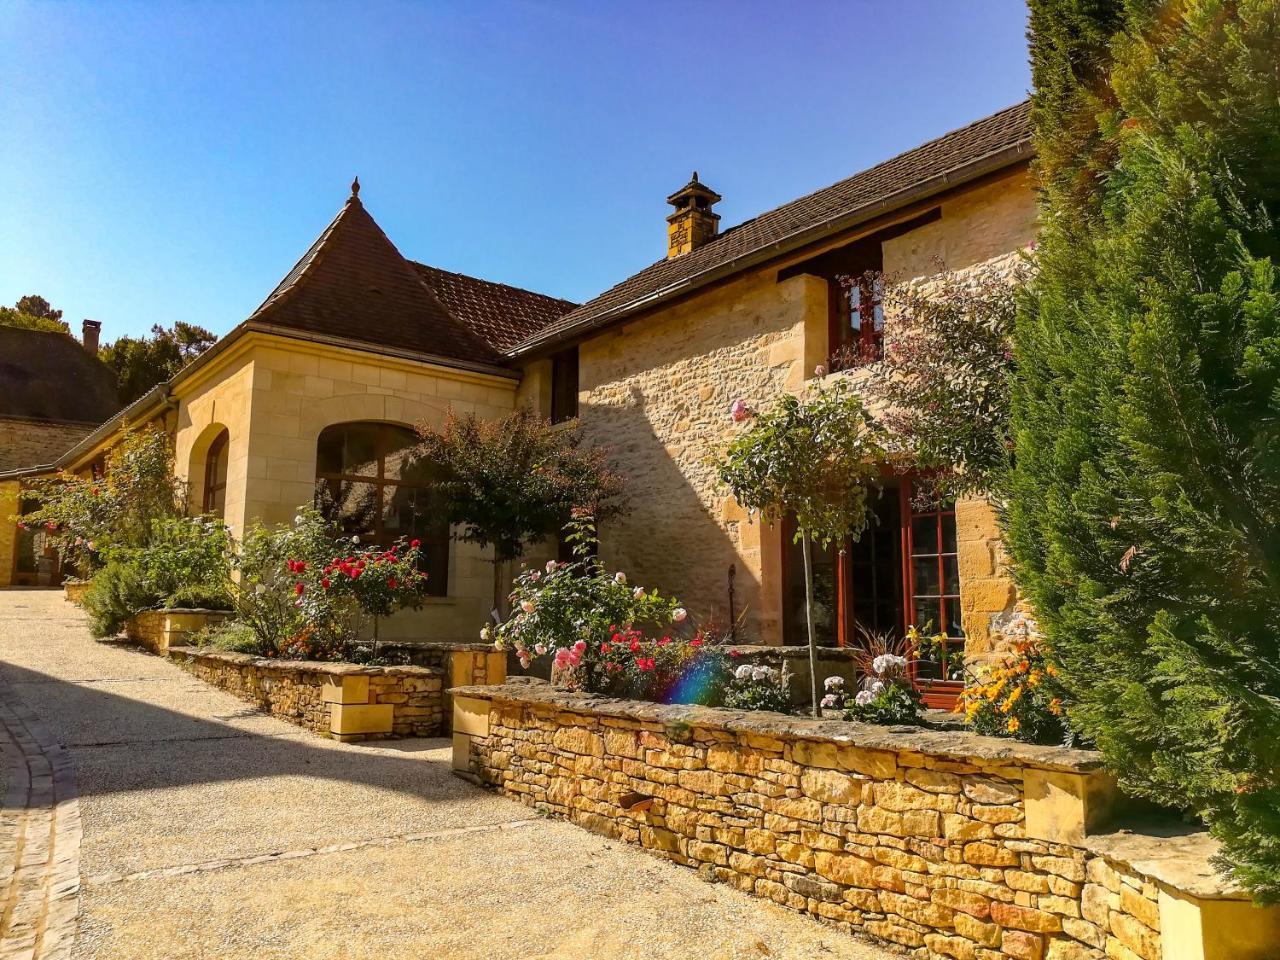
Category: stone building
<point>53,393</point>
<point>316,390</point>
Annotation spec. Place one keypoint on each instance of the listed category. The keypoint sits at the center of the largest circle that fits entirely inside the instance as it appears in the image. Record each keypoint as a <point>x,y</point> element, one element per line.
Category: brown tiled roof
<point>946,161</point>
<point>50,376</point>
<point>353,284</point>
<point>501,315</point>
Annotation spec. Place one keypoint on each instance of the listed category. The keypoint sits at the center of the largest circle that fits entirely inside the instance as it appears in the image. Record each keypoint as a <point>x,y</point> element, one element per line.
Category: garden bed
<point>340,700</point>
<point>948,843</point>
<point>158,630</point>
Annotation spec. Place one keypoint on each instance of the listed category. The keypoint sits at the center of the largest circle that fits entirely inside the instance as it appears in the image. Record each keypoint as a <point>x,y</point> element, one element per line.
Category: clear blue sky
<point>171,161</point>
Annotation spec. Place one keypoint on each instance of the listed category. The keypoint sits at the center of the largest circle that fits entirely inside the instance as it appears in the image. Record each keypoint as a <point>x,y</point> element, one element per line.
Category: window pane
<point>435,564</point>
<point>350,448</point>
<point>952,612</point>
<point>352,506</point>
<point>924,572</point>
<point>924,535</point>
<point>926,614</point>
<point>948,533</point>
<point>824,595</point>
<point>401,462</point>
<point>951,575</point>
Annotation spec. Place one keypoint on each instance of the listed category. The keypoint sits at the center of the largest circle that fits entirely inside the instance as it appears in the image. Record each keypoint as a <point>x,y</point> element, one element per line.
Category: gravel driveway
<point>208,830</point>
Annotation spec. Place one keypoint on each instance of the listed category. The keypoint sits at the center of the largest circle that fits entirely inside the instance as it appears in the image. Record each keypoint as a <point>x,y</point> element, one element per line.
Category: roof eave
<point>947,180</point>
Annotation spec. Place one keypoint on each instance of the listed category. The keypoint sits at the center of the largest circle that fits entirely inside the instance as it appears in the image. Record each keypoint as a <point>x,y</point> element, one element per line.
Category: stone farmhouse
<point>315,394</point>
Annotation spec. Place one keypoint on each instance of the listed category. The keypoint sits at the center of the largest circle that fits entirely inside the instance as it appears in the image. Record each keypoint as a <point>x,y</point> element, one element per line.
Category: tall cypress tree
<point>1144,506</point>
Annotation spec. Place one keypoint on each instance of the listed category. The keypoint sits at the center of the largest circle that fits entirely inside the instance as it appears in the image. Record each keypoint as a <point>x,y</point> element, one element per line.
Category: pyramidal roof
<point>353,284</point>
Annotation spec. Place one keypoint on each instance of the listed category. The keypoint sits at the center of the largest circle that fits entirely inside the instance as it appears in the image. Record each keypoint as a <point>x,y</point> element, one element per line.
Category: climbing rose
<point>637,593</point>
<point>526,606</point>
<point>739,411</point>
<point>679,615</point>
<point>620,577</point>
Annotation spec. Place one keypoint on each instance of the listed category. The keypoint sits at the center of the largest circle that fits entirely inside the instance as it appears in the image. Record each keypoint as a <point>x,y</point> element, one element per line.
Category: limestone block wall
<point>345,701</point>
<point>33,443</point>
<point>945,844</point>
<point>10,496</point>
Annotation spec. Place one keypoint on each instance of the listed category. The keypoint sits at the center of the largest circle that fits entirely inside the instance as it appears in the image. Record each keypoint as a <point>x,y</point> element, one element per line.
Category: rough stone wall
<point>293,690</point>
<point>33,443</point>
<point>158,630</point>
<point>657,393</point>
<point>925,850</point>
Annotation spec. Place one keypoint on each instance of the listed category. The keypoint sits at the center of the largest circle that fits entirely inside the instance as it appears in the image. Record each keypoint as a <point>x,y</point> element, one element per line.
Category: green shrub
<point>118,591</point>
<point>754,686</point>
<point>1144,512</point>
<point>231,635</point>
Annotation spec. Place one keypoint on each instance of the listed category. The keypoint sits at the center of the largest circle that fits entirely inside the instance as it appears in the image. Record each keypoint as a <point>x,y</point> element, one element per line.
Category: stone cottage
<point>314,394</point>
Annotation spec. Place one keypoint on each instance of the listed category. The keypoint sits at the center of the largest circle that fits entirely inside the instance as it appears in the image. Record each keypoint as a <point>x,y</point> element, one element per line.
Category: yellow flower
<point>1013,724</point>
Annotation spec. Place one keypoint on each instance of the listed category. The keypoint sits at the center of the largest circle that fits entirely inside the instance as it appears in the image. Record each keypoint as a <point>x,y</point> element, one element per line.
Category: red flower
<point>324,582</point>
<point>415,544</point>
<point>695,642</point>
<point>734,653</point>
<point>298,588</point>
<point>51,525</point>
<point>391,582</point>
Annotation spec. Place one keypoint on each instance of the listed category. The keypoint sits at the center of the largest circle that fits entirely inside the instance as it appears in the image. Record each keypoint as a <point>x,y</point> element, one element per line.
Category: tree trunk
<point>498,593</point>
<point>808,616</point>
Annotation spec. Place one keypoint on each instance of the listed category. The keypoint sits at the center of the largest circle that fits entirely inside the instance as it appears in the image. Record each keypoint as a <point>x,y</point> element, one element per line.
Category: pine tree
<point>1144,513</point>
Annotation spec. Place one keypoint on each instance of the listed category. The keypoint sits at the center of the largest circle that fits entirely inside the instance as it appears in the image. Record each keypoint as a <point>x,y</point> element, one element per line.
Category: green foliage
<point>815,458</point>
<point>142,362</point>
<point>231,635</point>
<point>1019,697</point>
<point>1144,519</point>
<point>117,592</point>
<point>949,371</point>
<point>33,313</point>
<point>89,517</point>
<point>888,695</point>
<point>515,480</point>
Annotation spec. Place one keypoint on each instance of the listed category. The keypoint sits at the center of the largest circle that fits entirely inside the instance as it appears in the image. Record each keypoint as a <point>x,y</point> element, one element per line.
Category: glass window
<point>369,484</point>
<point>935,590</point>
<point>564,386</point>
<point>215,475</point>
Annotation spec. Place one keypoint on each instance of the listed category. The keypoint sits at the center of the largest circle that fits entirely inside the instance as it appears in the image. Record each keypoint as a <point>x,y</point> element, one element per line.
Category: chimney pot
<point>89,332</point>
<point>693,223</point>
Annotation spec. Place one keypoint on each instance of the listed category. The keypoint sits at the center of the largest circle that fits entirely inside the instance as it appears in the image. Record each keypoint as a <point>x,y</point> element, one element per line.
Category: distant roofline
<point>949,179</point>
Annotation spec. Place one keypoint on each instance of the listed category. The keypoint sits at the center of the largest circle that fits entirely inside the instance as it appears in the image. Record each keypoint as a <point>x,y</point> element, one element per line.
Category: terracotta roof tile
<point>354,284</point>
<point>1009,128</point>
<point>502,315</point>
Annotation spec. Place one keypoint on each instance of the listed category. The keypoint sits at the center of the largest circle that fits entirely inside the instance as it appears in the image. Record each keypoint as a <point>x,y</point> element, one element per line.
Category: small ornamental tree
<point>948,373</point>
<point>815,459</point>
<point>88,517</point>
<point>513,481</point>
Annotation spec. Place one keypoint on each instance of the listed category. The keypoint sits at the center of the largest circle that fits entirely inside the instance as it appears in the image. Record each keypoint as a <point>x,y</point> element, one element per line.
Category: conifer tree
<point>1144,513</point>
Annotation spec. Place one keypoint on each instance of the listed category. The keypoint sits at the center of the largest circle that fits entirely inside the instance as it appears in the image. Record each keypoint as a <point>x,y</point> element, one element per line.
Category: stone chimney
<point>693,223</point>
<point>89,335</point>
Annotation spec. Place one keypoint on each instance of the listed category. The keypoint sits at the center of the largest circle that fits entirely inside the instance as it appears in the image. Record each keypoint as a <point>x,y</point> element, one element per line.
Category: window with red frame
<point>215,475</point>
<point>856,331</point>
<point>902,571</point>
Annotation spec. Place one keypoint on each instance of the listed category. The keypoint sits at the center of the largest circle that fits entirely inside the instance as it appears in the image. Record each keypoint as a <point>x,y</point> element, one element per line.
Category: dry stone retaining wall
<point>944,844</point>
<point>346,701</point>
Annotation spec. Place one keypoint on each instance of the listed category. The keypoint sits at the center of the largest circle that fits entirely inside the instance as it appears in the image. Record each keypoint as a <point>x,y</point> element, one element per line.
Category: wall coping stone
<point>445,645</point>
<point>189,610</point>
<point>308,666</point>
<point>1173,855</point>
<point>957,745</point>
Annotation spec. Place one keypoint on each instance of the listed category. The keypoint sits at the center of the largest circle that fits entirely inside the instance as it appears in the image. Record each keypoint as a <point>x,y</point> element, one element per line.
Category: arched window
<point>215,476</point>
<point>368,485</point>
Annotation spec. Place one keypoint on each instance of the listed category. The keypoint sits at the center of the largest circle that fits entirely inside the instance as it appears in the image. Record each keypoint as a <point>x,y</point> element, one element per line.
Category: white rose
<point>620,577</point>
<point>484,633</point>
<point>743,672</point>
<point>637,593</point>
<point>679,615</point>
<point>551,565</point>
<point>526,606</point>
<point>355,539</point>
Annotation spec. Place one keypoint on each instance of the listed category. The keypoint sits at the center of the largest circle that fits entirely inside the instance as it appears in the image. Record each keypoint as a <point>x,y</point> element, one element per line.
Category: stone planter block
<point>1066,807</point>
<point>350,719</point>
<point>471,716</point>
<point>346,690</point>
<point>461,752</point>
<point>1192,928</point>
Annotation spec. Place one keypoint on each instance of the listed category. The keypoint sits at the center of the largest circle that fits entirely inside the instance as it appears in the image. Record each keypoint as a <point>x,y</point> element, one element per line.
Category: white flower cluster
<point>755,672</point>
<point>833,684</point>
<point>888,663</point>
<point>864,697</point>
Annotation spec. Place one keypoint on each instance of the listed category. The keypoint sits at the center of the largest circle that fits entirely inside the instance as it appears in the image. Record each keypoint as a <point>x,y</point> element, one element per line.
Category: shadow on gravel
<point>166,748</point>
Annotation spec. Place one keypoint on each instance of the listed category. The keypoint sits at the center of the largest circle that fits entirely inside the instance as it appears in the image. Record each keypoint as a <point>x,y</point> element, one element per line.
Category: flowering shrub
<point>586,619</point>
<point>1018,698</point>
<point>86,517</point>
<point>887,695</point>
<point>754,686</point>
<point>310,595</point>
